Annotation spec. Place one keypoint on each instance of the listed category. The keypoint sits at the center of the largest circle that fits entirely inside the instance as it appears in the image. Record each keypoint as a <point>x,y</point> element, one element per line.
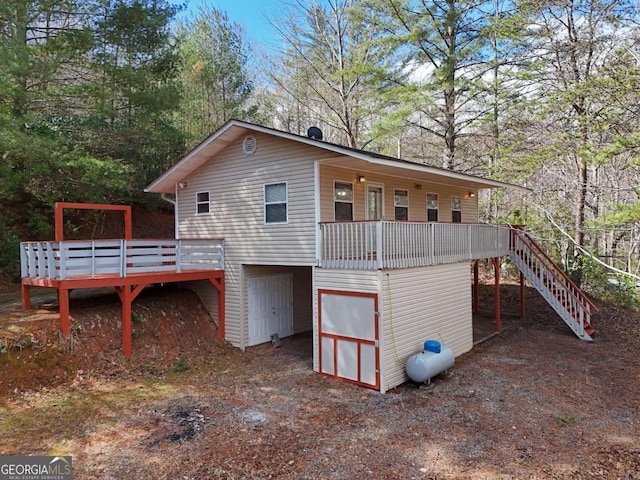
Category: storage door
<point>349,337</point>
<point>270,307</point>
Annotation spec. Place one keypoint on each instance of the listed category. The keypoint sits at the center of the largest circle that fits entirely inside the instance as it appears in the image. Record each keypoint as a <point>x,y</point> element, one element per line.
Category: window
<point>275,203</point>
<point>456,209</point>
<point>432,207</point>
<point>401,204</point>
<point>202,203</point>
<point>343,201</point>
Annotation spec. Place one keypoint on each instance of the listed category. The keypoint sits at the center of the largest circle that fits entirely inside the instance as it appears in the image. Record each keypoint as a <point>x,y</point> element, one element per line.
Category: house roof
<point>361,160</point>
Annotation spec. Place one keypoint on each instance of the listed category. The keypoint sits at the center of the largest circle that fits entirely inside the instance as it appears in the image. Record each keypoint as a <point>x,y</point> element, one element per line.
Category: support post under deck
<point>63,302</point>
<point>522,295</point>
<point>476,288</point>
<point>219,284</point>
<point>496,274</point>
<point>26,296</point>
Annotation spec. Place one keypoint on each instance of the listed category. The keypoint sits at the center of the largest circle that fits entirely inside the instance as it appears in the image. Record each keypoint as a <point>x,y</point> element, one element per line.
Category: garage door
<point>349,337</point>
<point>270,307</point>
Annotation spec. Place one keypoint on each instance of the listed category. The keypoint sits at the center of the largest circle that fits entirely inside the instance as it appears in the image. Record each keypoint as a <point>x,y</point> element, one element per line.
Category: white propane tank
<point>434,359</point>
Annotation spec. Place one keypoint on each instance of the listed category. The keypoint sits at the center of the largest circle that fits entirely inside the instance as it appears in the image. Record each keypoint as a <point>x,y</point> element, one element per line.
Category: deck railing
<point>95,258</point>
<point>384,244</point>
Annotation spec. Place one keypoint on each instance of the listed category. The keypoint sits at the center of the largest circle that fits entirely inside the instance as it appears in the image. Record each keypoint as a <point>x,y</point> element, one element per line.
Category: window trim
<point>265,203</point>
<point>395,205</point>
<point>207,202</point>
<point>352,201</point>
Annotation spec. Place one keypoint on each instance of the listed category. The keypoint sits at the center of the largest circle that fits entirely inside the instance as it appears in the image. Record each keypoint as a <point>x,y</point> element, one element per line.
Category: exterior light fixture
<point>361,178</point>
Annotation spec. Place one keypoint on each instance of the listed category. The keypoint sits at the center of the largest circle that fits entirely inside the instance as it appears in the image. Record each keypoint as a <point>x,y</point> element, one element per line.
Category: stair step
<point>551,282</point>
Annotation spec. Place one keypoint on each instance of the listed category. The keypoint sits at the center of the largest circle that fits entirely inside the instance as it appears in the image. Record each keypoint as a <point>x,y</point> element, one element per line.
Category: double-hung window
<point>343,201</point>
<point>275,203</point>
<point>202,203</point>
<point>401,204</point>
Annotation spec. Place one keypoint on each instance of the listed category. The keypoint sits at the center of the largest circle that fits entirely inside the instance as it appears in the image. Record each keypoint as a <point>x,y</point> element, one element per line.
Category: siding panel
<point>417,198</point>
<point>235,182</point>
<point>421,304</point>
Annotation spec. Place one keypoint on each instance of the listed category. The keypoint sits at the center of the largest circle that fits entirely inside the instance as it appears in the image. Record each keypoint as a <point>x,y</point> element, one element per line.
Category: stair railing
<point>550,278</point>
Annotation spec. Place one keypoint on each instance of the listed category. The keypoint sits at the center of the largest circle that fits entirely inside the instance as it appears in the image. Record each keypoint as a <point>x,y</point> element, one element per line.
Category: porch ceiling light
<point>471,194</point>
<point>361,178</point>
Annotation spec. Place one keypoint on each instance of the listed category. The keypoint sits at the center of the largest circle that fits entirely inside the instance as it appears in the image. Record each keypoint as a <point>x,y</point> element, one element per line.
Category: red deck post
<point>59,214</point>
<point>63,302</point>
<point>125,298</point>
<point>496,273</point>
<point>221,319</point>
<point>26,296</point>
<point>522,295</point>
<point>219,284</point>
<point>476,288</point>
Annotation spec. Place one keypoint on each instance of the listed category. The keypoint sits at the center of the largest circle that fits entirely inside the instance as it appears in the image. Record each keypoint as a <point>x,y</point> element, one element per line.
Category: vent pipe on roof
<point>315,133</point>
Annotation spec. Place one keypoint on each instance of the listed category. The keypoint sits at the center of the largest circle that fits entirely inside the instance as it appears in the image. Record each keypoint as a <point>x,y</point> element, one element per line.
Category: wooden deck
<point>127,265</point>
<point>372,245</point>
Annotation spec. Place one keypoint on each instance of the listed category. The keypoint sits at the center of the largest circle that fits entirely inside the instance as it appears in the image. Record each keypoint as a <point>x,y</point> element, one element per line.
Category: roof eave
<point>167,181</point>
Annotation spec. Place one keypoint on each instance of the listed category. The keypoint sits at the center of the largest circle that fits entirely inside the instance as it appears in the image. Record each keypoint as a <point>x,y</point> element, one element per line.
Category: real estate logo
<point>35,468</point>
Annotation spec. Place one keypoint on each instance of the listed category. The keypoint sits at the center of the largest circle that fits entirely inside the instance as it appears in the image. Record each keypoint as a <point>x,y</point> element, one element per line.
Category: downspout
<point>167,199</point>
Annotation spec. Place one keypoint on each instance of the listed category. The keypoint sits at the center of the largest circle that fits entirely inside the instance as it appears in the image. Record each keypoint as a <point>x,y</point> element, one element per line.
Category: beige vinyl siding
<point>420,304</point>
<point>236,185</point>
<point>208,295</point>
<point>365,281</point>
<point>302,293</point>
<point>417,197</point>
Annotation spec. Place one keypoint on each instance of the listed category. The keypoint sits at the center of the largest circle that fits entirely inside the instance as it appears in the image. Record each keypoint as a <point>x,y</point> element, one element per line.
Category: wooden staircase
<point>564,296</point>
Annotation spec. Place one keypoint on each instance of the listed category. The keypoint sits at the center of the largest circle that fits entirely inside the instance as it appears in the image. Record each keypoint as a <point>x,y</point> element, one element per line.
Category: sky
<point>252,15</point>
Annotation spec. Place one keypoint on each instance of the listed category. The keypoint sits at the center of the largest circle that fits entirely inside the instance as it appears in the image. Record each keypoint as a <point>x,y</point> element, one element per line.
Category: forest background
<point>99,97</point>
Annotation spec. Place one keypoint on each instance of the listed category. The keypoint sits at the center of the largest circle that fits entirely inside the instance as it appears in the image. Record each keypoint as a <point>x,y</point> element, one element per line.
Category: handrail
<point>552,267</point>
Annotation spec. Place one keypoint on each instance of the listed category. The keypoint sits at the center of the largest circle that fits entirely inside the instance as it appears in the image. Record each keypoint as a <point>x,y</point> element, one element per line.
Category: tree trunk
<point>448,87</point>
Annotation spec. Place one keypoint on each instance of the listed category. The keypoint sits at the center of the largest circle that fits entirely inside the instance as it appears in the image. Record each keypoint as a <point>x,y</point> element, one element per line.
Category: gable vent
<point>250,145</point>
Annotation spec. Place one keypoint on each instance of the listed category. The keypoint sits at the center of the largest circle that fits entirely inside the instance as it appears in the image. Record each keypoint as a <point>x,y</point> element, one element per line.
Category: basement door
<point>270,307</point>
<point>349,337</point>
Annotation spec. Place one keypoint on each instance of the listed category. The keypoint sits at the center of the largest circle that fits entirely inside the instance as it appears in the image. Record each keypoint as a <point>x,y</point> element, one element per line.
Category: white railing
<point>94,258</point>
<point>383,244</point>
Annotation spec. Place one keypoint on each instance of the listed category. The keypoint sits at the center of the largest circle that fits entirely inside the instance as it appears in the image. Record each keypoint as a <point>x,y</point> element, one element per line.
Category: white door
<point>349,337</point>
<point>375,198</point>
<point>270,307</point>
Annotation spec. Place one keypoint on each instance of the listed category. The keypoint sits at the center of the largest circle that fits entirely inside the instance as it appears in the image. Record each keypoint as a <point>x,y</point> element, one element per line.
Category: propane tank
<point>433,360</point>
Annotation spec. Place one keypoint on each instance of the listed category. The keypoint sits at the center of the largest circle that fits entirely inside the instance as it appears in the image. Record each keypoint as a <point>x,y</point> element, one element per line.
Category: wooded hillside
<point>99,97</point>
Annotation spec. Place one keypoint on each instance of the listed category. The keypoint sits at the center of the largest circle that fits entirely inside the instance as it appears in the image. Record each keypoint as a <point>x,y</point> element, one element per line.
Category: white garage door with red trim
<point>349,336</point>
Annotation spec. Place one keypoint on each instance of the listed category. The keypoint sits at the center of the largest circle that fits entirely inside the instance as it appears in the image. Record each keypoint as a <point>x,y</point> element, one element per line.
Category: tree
<point>442,58</point>
<point>86,91</point>
<point>214,73</point>
<point>325,74</point>
<point>574,44</point>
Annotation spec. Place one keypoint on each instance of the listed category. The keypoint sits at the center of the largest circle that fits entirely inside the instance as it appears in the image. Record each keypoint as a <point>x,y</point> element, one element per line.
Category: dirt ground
<point>531,403</point>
